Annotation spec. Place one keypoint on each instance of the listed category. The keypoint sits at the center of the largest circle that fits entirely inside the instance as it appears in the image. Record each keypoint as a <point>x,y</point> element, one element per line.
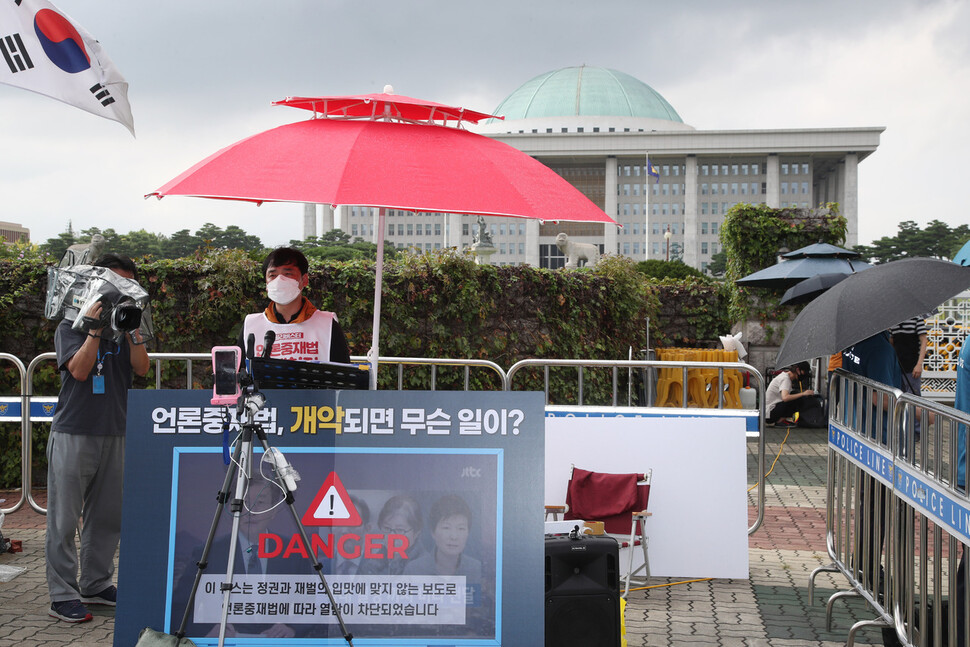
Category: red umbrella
<point>384,106</point>
<point>385,164</point>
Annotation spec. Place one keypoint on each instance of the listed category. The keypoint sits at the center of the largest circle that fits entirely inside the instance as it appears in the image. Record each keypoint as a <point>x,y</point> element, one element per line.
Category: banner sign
<point>423,510</point>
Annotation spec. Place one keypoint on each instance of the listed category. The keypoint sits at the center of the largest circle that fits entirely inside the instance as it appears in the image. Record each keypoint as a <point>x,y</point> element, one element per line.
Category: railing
<point>18,405</point>
<point>895,519</point>
<point>631,369</point>
<point>645,366</point>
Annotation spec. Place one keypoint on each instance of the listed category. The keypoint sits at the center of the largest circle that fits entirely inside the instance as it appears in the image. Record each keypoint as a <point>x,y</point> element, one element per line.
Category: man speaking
<point>302,332</point>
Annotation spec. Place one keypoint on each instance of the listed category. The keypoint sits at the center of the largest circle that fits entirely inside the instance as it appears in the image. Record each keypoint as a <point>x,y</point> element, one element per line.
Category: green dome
<point>586,91</point>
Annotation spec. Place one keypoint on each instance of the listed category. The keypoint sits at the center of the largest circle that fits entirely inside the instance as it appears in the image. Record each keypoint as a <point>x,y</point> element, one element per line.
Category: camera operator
<point>302,332</point>
<point>85,457</point>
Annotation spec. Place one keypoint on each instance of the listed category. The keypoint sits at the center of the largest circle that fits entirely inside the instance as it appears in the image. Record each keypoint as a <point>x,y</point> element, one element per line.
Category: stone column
<point>328,218</point>
<point>773,189</point>
<point>532,242</point>
<point>849,200</point>
<point>611,182</point>
<point>692,243</point>
<point>309,220</point>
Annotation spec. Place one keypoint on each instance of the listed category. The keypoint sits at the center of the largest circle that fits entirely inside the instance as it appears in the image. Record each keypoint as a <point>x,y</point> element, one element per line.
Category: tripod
<point>239,473</point>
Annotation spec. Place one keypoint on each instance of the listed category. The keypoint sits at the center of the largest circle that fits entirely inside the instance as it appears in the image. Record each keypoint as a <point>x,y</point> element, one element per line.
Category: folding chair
<point>615,500</point>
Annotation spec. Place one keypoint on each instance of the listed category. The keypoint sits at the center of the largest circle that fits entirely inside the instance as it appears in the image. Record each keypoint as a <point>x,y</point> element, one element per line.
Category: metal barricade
<point>931,525</point>
<point>12,410</point>
<point>859,493</point>
<point>435,364</point>
<point>683,366</point>
<point>895,518</point>
<point>28,399</point>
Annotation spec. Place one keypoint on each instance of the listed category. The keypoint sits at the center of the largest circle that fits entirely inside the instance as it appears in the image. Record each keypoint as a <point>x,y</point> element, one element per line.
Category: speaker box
<point>582,591</point>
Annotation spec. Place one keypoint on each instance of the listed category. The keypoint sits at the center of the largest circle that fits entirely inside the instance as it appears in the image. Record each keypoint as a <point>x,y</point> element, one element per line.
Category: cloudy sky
<point>203,74</point>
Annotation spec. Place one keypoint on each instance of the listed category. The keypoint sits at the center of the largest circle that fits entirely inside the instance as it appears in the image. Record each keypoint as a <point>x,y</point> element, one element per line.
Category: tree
<point>668,269</point>
<point>336,245</point>
<point>57,246</point>
<point>937,240</point>
<point>181,244</point>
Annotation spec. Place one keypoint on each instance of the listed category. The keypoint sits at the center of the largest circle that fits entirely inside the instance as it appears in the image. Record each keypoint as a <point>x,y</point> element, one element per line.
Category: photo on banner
<point>408,541</point>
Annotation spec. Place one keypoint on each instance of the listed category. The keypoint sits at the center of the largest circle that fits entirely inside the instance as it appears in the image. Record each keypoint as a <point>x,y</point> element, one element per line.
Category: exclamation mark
<point>331,504</point>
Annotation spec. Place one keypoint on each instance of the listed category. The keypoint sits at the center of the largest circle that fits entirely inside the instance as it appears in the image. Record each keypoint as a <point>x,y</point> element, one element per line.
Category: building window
<point>656,249</point>
<point>714,168</point>
<point>675,189</point>
<point>419,230</point>
<point>734,169</point>
<point>784,188</point>
<point>754,169</point>
<point>703,227</point>
<point>636,228</point>
<point>676,169</point>
<point>666,169</point>
<point>522,249</point>
<point>675,209</point>
<point>744,188</point>
<point>804,169</point>
<point>714,228</point>
<point>522,229</point>
<point>724,188</point>
<point>673,227</point>
<point>353,230</point>
<point>734,188</point>
<point>784,169</point>
<point>713,189</point>
<point>703,208</point>
<point>805,188</point>
<point>626,249</point>
<point>666,208</point>
<point>704,248</point>
<point>704,169</point>
<point>666,189</point>
<point>400,229</point>
<point>501,229</point>
<point>410,229</point>
<point>636,249</point>
<point>744,169</point>
<point>655,228</point>
<point>704,189</point>
<point>655,189</point>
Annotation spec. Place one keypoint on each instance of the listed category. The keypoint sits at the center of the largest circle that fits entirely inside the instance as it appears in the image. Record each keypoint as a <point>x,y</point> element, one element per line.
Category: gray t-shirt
<point>79,409</point>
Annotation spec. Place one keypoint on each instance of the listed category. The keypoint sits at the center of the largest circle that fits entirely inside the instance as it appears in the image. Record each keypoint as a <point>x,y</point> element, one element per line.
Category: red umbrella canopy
<point>384,106</point>
<point>415,167</point>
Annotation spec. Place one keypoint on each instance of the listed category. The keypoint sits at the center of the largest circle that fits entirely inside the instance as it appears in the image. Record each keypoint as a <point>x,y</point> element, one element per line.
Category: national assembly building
<point>602,130</point>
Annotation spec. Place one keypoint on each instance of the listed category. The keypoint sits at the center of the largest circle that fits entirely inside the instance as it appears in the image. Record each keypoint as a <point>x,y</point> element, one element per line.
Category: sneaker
<point>107,597</point>
<point>70,611</point>
<point>784,422</point>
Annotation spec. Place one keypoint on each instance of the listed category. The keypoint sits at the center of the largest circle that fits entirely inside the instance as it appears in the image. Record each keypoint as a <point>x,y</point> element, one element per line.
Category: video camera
<point>72,291</point>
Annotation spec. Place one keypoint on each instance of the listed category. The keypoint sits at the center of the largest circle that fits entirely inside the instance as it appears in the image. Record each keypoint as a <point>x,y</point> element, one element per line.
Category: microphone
<point>251,346</point>
<point>268,343</point>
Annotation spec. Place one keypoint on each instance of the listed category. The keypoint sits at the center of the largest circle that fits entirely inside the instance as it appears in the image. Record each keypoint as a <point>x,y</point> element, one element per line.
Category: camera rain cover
<point>71,291</point>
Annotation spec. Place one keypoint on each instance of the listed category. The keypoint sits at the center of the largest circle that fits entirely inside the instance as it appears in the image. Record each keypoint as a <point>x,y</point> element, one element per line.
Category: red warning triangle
<point>332,506</point>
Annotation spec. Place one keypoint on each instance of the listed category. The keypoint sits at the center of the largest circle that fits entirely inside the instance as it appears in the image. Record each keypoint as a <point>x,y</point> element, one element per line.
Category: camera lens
<point>125,318</point>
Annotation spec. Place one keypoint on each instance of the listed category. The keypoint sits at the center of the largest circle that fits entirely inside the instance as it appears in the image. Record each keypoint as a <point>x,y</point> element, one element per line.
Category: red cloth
<point>592,496</point>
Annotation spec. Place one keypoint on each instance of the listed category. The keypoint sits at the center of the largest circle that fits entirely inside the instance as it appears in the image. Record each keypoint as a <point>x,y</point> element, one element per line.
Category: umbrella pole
<point>378,283</point>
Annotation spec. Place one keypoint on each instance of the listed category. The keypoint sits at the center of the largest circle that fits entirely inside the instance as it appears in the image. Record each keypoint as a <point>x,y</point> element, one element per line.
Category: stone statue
<point>576,252</point>
<point>481,236</point>
<point>83,253</point>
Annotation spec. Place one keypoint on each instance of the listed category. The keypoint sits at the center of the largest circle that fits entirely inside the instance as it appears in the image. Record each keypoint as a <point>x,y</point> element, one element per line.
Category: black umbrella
<point>789,272</point>
<point>807,290</point>
<point>869,302</point>
<point>823,250</point>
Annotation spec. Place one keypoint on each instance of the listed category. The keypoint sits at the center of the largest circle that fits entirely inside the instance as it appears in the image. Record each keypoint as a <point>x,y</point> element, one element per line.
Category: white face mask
<point>283,290</point>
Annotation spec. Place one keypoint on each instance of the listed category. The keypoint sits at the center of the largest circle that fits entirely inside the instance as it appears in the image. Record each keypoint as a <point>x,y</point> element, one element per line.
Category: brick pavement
<point>769,609</point>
